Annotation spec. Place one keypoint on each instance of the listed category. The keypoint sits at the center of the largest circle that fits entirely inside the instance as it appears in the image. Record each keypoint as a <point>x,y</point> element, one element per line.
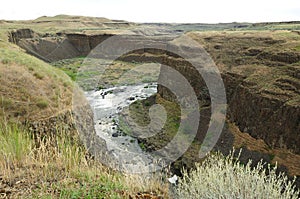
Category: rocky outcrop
<point>283,57</point>
<point>49,49</point>
<point>267,110</point>
<point>265,117</point>
<point>78,123</point>
<point>16,36</point>
<point>50,126</point>
<point>54,47</point>
<point>85,43</point>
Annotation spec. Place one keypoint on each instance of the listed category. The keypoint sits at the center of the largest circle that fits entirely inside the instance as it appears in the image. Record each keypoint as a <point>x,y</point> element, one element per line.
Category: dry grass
<point>59,167</point>
<point>65,23</point>
<point>35,89</point>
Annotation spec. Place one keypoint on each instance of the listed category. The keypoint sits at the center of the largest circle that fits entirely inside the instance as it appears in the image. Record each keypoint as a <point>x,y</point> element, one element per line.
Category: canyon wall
<point>263,99</point>
<point>54,47</point>
<point>260,74</point>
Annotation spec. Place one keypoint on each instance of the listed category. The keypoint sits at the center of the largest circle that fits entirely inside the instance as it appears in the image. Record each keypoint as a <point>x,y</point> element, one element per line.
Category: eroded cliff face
<point>262,82</point>
<point>85,43</point>
<point>54,47</point>
<point>262,91</point>
<point>266,117</point>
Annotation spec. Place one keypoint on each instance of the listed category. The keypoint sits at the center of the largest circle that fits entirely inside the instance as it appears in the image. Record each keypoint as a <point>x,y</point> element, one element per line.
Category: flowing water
<point>107,104</point>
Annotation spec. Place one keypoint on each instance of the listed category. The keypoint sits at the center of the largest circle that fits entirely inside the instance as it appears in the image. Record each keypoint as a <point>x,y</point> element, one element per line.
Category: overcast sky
<point>208,11</point>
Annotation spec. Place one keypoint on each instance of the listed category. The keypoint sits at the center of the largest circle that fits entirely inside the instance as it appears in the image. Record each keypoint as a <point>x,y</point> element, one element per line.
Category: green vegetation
<point>226,177</point>
<point>139,112</point>
<point>42,103</point>
<point>59,167</point>
<point>70,66</point>
<point>142,145</point>
<point>25,80</point>
<point>38,75</point>
<point>297,48</point>
<point>85,71</point>
<point>15,145</point>
<point>123,127</point>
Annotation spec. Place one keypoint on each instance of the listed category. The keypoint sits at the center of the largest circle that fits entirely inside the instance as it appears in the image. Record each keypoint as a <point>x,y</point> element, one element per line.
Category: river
<point>107,104</point>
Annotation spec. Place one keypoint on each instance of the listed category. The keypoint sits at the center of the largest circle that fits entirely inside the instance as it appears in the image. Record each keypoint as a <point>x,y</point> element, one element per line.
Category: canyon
<point>261,75</point>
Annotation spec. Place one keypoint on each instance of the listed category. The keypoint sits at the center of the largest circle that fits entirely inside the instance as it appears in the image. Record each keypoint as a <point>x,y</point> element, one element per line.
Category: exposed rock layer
<point>271,114</point>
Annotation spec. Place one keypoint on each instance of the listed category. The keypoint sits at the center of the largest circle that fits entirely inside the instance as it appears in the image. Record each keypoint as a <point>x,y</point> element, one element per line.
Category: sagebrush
<point>227,178</point>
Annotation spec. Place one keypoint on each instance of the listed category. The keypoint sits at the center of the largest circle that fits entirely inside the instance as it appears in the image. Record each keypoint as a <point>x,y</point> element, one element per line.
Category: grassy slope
<point>48,168</point>
<point>30,88</point>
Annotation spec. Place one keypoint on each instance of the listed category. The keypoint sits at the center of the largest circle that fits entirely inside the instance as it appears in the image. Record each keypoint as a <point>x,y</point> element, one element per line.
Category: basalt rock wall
<point>54,47</point>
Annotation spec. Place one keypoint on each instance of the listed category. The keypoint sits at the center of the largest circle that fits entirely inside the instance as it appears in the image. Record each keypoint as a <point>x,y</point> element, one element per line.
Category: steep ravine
<point>261,77</point>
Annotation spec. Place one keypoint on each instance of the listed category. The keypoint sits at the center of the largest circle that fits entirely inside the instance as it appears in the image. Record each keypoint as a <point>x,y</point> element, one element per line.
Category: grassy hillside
<point>59,166</point>
<point>66,23</point>
<point>30,88</point>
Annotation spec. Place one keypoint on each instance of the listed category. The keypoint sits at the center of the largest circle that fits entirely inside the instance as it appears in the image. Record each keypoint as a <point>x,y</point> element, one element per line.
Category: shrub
<point>42,103</point>
<point>5,61</point>
<point>226,177</point>
<point>38,75</point>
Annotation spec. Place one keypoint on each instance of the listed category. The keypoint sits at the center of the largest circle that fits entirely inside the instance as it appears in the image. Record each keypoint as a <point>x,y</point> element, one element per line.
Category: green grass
<point>297,48</point>
<point>42,103</point>
<point>123,126</point>
<point>58,166</point>
<point>38,75</point>
<point>90,75</point>
<point>69,66</point>
<point>15,144</point>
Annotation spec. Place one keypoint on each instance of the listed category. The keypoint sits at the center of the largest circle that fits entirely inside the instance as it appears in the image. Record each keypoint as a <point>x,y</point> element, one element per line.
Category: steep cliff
<point>54,47</point>
<point>261,76</point>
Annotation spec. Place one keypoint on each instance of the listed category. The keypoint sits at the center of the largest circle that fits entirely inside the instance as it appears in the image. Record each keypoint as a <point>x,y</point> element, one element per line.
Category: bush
<point>38,75</point>
<point>226,177</point>
<point>42,103</point>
